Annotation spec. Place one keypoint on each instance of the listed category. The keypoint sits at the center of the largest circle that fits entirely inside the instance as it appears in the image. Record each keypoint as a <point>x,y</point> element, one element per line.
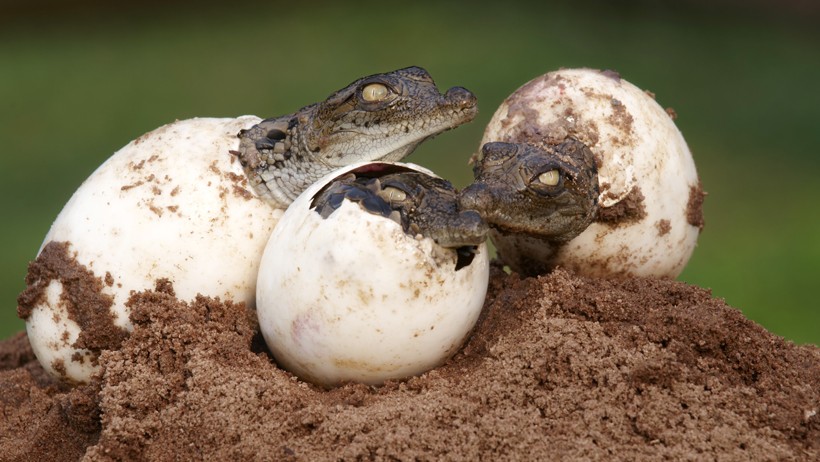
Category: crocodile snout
<point>472,228</point>
<point>476,197</point>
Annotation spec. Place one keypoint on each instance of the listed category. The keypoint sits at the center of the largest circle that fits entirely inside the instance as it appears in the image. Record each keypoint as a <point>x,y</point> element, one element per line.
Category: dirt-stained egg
<point>173,204</point>
<point>373,273</point>
<point>649,197</point>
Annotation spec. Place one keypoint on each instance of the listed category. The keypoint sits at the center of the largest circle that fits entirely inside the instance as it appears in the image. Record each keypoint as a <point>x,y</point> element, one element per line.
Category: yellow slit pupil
<point>395,194</point>
<point>550,178</point>
<point>374,92</point>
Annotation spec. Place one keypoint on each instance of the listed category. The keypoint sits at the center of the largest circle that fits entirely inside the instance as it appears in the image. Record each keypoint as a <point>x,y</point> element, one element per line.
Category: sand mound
<point>560,367</point>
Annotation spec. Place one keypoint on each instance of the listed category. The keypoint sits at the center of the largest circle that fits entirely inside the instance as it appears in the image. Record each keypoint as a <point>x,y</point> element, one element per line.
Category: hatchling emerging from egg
<point>424,206</point>
<point>535,199</point>
<point>403,272</point>
<point>650,199</point>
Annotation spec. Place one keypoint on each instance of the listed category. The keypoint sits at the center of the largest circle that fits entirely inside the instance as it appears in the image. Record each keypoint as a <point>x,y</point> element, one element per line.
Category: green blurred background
<point>78,80</point>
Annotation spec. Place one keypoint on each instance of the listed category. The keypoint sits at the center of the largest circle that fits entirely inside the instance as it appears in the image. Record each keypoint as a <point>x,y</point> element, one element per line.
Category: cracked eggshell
<point>175,204</point>
<point>354,298</point>
<point>650,196</point>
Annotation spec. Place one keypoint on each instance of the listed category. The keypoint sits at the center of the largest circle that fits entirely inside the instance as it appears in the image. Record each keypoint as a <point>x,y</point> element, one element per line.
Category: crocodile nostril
<point>461,97</point>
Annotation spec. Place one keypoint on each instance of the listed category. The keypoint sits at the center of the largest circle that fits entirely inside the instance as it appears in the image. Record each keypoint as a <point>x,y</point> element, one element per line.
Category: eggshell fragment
<point>353,298</point>
<point>650,194</point>
<point>173,204</point>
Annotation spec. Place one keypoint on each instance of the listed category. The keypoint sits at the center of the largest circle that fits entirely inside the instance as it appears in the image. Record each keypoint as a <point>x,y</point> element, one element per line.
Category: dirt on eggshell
<point>559,367</point>
<point>694,207</point>
<point>82,298</point>
<point>628,210</point>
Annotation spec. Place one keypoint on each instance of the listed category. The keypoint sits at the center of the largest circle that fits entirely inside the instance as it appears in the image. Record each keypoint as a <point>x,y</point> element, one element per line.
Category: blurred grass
<point>76,85</point>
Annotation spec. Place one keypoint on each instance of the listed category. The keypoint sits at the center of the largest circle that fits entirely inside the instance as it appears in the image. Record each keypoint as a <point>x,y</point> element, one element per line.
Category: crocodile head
<point>533,198</point>
<point>422,204</point>
<point>379,117</point>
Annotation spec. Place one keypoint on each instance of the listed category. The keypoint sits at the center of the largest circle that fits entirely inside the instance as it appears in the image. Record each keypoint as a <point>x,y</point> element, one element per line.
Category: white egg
<point>174,204</point>
<point>650,196</point>
<point>353,297</point>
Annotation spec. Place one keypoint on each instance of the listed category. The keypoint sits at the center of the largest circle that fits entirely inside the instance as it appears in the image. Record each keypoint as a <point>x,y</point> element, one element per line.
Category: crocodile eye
<point>375,92</point>
<point>550,178</point>
<point>394,194</point>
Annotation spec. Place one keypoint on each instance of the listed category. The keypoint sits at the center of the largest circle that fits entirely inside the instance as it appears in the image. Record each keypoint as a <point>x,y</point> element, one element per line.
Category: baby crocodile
<point>534,199</point>
<point>380,117</point>
<point>422,204</point>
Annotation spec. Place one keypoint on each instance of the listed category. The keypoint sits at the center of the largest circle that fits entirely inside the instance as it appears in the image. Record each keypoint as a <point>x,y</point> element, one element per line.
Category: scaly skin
<point>530,219</point>
<point>380,117</point>
<point>422,204</point>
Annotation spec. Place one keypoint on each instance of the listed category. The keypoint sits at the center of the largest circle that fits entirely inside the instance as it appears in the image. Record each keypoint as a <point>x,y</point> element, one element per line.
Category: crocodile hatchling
<point>381,117</point>
<point>650,198</point>
<point>422,204</point>
<point>193,204</point>
<point>404,273</point>
<point>535,199</point>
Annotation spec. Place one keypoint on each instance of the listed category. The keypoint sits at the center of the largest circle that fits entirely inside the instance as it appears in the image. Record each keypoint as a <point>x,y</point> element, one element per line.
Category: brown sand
<point>560,367</point>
